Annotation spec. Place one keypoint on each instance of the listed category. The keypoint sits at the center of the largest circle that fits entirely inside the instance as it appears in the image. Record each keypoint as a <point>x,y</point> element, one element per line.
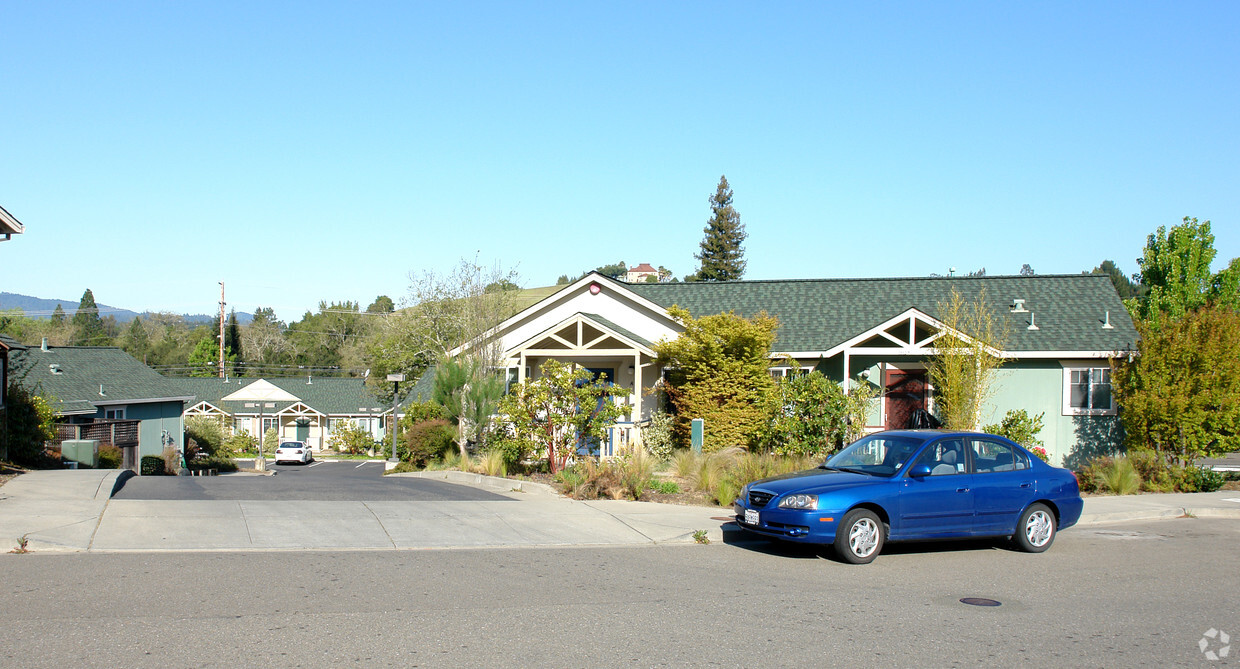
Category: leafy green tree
<point>264,342</point>
<point>382,305</point>
<point>813,416</point>
<point>1126,287</point>
<point>562,409</point>
<point>719,371</point>
<point>88,328</point>
<point>722,255</point>
<point>204,360</point>
<point>1020,427</point>
<point>1175,269</point>
<point>1180,395</point>
<point>963,369</point>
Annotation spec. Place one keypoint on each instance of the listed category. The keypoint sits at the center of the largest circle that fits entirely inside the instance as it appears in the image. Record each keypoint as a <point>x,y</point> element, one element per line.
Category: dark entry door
<point>905,392</point>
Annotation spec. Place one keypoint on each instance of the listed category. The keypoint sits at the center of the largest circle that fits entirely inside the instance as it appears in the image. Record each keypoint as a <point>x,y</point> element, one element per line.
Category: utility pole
<point>221,329</point>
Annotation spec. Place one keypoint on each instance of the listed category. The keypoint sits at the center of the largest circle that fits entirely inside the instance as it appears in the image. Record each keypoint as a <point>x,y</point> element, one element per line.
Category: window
<point>992,456</point>
<point>944,458</point>
<point>1087,392</point>
<point>117,413</point>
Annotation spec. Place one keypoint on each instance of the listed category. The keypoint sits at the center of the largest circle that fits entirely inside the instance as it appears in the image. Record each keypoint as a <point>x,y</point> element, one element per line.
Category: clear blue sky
<point>306,151</point>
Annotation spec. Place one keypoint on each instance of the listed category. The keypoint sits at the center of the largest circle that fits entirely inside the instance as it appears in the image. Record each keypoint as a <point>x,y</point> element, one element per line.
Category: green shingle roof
<point>81,377</point>
<point>817,315</point>
<point>328,395</point>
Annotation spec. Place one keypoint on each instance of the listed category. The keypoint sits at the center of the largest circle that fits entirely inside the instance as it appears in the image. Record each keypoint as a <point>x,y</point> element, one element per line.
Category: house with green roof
<point>1063,330</point>
<point>96,385</point>
<point>320,405</point>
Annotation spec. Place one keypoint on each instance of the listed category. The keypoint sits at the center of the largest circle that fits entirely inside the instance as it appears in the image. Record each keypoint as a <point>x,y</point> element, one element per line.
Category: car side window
<point>993,456</point>
<point>944,457</point>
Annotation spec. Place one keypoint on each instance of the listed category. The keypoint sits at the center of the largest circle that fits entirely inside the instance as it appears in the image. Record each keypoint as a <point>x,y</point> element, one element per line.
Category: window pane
<point>1078,394</point>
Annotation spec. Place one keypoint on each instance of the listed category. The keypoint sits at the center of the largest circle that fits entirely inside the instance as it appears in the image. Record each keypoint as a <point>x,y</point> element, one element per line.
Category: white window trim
<point>1068,409</point>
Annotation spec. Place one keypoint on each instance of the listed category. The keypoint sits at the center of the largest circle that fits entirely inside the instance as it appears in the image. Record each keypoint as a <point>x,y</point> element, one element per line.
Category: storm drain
<point>979,601</point>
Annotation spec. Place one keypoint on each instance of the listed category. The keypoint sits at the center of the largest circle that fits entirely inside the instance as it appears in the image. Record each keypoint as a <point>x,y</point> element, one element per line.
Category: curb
<point>495,483</point>
<point>1157,514</point>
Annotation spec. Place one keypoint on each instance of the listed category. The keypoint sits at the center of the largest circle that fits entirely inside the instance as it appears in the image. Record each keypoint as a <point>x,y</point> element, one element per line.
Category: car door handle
<point>1026,485</point>
<point>962,490</point>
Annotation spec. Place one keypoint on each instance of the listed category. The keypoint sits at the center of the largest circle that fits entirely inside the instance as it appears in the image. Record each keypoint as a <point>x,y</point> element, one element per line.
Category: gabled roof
<point>333,396</point>
<point>9,225</point>
<point>1069,311</point>
<point>83,378</point>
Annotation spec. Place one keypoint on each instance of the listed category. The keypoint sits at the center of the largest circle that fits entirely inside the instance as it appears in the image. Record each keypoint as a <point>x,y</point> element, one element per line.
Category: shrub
<point>492,464</point>
<point>685,463</point>
<point>349,438</point>
<point>172,460</point>
<point>207,431</point>
<point>1089,477</point>
<point>241,442</point>
<point>152,465</point>
<point>1121,478</point>
<point>1203,479</point>
<point>664,487</point>
<point>635,469</point>
<point>1020,427</point>
<point>110,457</point>
<point>30,421</point>
<point>271,440</point>
<point>657,436</point>
<point>427,441</point>
<point>726,490</point>
<point>1156,475</point>
<point>401,468</point>
<point>218,462</point>
<point>513,448</point>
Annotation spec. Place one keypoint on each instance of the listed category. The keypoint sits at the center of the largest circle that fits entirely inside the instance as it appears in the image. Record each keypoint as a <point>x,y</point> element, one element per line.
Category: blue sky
<point>307,151</point>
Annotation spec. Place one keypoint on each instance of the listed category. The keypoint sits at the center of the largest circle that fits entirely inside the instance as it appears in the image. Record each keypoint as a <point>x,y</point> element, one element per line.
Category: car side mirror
<point>920,471</point>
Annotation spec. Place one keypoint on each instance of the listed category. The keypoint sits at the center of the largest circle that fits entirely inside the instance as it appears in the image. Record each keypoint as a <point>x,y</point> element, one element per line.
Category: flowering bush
<point>1041,453</point>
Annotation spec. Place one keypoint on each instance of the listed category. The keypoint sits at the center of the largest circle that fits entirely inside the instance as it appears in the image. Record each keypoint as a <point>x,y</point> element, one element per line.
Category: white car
<point>294,451</point>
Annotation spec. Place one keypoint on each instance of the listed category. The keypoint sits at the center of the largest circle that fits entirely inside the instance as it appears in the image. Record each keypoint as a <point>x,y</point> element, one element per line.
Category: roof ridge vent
<point>1106,323</point>
<point>1032,324</point>
<point>1018,306</point>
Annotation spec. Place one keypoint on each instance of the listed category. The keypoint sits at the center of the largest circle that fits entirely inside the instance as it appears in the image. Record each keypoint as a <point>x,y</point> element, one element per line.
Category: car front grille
<point>759,499</point>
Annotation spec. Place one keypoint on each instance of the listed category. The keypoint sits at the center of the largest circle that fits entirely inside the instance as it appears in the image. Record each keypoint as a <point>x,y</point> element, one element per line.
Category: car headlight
<point>799,501</point>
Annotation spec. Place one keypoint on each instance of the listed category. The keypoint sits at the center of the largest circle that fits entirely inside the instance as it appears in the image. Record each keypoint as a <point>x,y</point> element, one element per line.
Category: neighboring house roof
<point>644,267</point>
<point>331,396</point>
<point>1069,311</point>
<point>9,225</point>
<point>84,378</point>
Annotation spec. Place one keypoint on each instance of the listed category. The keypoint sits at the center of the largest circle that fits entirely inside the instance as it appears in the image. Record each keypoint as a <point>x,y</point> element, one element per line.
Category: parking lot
<point>316,482</point>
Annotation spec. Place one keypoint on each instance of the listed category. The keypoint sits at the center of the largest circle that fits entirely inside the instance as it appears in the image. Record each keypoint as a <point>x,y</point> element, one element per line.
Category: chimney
<point>44,346</point>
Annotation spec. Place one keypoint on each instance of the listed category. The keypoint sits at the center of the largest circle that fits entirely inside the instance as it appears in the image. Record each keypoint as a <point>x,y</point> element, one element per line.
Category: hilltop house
<point>1063,331</point>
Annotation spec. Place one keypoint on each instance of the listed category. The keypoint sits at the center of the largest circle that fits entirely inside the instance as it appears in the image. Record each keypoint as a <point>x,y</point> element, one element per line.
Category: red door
<point>905,392</point>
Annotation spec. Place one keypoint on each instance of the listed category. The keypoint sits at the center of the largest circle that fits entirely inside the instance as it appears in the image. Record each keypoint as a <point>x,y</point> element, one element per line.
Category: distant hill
<point>38,307</point>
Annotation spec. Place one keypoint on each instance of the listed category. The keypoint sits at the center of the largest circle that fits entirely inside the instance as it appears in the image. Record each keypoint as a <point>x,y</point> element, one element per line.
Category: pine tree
<point>232,336</point>
<point>88,328</point>
<point>136,341</point>
<point>722,256</point>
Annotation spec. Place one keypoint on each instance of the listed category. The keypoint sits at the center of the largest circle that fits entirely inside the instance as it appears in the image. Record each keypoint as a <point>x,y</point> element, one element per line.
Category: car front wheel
<point>1036,530</point>
<point>859,537</point>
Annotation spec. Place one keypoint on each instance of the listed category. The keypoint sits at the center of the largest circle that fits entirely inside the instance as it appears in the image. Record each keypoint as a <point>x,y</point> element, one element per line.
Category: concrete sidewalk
<point>72,511</point>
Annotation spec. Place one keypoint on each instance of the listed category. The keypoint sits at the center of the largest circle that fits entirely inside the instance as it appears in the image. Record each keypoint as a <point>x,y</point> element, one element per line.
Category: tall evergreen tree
<point>722,256</point>
<point>137,342</point>
<point>58,315</point>
<point>232,335</point>
<point>1126,287</point>
<point>88,329</point>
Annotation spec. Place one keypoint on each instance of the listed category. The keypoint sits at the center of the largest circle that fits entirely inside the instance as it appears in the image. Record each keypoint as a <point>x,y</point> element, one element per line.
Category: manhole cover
<point>979,601</point>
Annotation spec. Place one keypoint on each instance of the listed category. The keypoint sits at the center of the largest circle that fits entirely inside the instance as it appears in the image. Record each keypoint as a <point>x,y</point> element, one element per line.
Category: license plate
<point>751,517</point>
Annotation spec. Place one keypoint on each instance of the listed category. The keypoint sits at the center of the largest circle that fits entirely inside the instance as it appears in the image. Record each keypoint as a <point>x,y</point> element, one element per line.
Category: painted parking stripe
<point>316,463</point>
<point>362,465</point>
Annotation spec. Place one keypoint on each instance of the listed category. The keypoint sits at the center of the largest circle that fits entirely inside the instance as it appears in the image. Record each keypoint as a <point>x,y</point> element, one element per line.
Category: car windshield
<point>879,455</point>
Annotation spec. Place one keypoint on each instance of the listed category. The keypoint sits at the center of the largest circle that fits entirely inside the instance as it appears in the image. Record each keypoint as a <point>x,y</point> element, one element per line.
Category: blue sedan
<point>915,485</point>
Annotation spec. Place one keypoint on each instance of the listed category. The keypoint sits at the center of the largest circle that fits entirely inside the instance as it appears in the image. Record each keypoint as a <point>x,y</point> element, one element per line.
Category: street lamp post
<point>395,379</point>
<point>260,462</point>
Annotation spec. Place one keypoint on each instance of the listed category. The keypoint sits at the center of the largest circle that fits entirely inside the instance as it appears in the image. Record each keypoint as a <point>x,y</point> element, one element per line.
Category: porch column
<point>847,374</point>
<point>637,387</point>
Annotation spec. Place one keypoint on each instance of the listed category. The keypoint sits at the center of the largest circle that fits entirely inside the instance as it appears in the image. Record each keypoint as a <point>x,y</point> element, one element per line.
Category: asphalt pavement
<point>75,511</point>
